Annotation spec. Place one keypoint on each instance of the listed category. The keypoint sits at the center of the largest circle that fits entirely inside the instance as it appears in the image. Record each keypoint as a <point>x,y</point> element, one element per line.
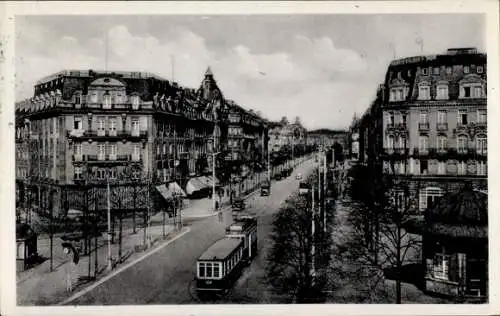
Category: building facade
<point>434,118</point>
<point>85,126</point>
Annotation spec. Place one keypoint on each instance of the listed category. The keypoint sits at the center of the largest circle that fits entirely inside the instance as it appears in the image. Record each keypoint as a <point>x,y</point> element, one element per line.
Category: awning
<point>195,184</point>
<point>169,190</point>
<point>211,181</point>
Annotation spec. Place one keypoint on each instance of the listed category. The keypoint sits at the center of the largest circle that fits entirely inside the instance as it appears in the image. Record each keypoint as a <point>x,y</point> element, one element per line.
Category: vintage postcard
<point>210,158</point>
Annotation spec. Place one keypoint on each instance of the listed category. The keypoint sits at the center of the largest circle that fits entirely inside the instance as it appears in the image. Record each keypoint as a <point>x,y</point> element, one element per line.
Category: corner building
<point>435,122</point>
<point>91,126</point>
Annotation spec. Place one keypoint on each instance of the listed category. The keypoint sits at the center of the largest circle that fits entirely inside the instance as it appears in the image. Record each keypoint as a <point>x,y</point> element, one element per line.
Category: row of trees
<point>299,261</point>
<point>378,241</point>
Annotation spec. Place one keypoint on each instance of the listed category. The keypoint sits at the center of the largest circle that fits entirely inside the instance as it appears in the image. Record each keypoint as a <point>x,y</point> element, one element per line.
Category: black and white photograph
<point>250,156</point>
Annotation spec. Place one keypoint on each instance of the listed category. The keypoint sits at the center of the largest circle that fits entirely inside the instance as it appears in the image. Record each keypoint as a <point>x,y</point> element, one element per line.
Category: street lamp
<point>214,155</point>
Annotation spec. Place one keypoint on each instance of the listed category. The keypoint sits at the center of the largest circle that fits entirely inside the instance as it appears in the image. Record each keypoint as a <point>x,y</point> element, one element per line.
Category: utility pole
<point>313,249</point>
<point>324,190</point>
<point>214,153</point>
<point>268,165</point>
<point>110,263</point>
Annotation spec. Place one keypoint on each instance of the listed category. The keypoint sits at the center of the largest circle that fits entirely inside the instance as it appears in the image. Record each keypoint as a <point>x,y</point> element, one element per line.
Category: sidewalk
<point>39,286</point>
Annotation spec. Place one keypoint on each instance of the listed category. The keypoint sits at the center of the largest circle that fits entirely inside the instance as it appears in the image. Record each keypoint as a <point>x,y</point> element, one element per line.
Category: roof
<point>466,207</point>
<point>221,249</point>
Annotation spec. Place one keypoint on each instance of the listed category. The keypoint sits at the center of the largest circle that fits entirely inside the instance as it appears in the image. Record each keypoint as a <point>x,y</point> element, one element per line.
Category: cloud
<point>312,79</point>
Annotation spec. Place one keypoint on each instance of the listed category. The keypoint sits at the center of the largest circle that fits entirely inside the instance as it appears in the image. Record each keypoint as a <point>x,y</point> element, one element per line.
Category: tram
<point>220,266</point>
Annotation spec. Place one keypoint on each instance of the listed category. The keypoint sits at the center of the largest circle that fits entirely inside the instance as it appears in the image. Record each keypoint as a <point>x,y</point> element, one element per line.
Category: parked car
<point>265,188</point>
<point>298,176</point>
<point>238,205</point>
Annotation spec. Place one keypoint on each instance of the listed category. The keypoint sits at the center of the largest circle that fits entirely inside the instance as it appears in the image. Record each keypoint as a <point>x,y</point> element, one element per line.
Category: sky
<point>322,68</point>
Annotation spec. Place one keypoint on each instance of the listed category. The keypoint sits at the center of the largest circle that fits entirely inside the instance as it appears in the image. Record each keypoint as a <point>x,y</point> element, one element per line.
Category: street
<point>165,277</point>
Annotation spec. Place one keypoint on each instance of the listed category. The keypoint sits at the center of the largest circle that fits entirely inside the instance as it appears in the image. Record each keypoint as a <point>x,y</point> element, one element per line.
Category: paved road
<point>165,277</point>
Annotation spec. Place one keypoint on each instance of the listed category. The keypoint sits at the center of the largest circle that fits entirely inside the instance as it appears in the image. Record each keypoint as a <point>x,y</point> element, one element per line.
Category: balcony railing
<point>423,126</point>
<point>110,158</point>
<point>442,126</point>
<point>420,151</point>
<point>106,134</point>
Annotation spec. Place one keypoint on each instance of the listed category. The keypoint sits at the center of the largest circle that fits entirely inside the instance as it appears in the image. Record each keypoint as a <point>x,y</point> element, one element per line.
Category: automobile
<point>298,176</point>
<point>303,188</point>
<point>265,188</point>
<point>238,205</point>
<point>277,176</point>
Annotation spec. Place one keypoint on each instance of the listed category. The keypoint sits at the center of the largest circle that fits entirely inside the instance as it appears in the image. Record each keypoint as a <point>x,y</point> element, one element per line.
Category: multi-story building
<point>326,138</point>
<point>354,139</point>
<point>371,131</point>
<point>435,122</point>
<point>84,126</point>
<point>292,135</point>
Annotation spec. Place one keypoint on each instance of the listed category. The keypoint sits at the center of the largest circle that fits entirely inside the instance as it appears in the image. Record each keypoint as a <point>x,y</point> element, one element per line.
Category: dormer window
<point>425,71</point>
<point>442,92</point>
<point>424,91</point>
<point>466,69</point>
<point>471,90</point>
<point>106,101</point>
<point>93,97</point>
<point>448,70</point>
<point>436,70</point>
<point>479,69</point>
<point>78,98</point>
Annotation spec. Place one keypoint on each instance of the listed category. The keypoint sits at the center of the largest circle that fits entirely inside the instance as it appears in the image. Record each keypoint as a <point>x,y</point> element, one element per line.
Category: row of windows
<point>108,99</point>
<point>235,131</point>
<point>100,174</point>
<point>441,70</point>
<point>110,123</point>
<point>442,117</point>
<point>441,143</point>
<point>215,270</point>
<point>421,167</point>
<point>102,149</point>
<point>469,90</point>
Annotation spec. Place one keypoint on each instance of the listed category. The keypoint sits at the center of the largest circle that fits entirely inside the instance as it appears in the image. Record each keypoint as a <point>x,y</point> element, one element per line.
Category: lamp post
<point>214,155</point>
<point>110,263</point>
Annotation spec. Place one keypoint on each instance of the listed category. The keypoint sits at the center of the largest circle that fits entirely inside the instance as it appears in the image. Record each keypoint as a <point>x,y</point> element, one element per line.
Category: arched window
<point>106,104</point>
<point>424,91</point>
<point>481,144</point>
<point>78,98</point>
<point>442,91</point>
<point>462,144</point>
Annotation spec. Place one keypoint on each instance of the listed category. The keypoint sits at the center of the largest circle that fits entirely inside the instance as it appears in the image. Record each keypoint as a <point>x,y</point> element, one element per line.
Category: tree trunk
<point>120,237</point>
<point>398,264</point>
<point>133,210</point>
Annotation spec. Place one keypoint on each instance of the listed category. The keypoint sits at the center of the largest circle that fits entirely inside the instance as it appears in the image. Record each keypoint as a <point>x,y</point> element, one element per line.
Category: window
<point>478,92</point>
<point>462,144</point>
<point>78,98</point>
<point>425,71</point>
<point>424,92</point>
<point>466,69</point>
<point>135,102</point>
<point>112,151</point>
<point>481,116</point>
<point>481,145</point>
<point>479,69</point>
<point>441,266</point>
<point>441,117</point>
<point>448,70</point>
<point>428,197</point>
<point>441,143</point>
<point>436,70</point>
<point>462,117</point>
<point>78,123</point>
<point>78,173</point>
<point>481,168</point>
<point>101,126</point>
<point>423,143</point>
<point>106,101</point>
<point>209,269</point>
<point>397,94</point>
<point>101,151</point>
<point>135,127</point>
<point>424,118</point>
<point>461,168</point>
<point>112,126</point>
<point>93,97</point>
<point>217,270</point>
<point>136,152</point>
<point>77,148</point>
<point>466,92</point>
<point>441,167</point>
<point>442,92</point>
<point>101,174</point>
<point>424,167</point>
<point>112,173</point>
<point>201,269</point>
<point>390,119</point>
<point>164,149</point>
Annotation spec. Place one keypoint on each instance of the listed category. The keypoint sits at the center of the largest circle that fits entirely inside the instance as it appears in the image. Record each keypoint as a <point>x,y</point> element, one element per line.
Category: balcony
<point>396,152</point>
<point>420,152</point>
<point>442,127</point>
<point>111,159</point>
<point>423,126</point>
